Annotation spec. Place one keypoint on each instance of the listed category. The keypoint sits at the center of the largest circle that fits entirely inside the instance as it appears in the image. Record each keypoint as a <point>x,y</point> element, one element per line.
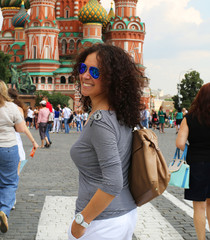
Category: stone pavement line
<point>58,211</point>
<point>181,205</point>
<point>152,225</point>
<point>55,218</point>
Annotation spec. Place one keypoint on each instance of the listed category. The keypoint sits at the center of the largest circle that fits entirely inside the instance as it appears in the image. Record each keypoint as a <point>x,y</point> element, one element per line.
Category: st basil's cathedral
<point>46,42</point>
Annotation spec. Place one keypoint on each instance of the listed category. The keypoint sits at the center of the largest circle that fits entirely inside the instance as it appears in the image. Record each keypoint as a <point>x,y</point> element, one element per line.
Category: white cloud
<point>174,11</point>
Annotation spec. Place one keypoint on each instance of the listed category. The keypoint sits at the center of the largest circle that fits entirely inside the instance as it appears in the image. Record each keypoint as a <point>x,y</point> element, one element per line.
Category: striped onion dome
<point>92,12</point>
<point>20,18</point>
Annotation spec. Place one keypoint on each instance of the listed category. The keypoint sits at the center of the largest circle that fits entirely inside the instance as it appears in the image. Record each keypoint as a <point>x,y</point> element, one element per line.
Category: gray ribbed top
<point>102,156</point>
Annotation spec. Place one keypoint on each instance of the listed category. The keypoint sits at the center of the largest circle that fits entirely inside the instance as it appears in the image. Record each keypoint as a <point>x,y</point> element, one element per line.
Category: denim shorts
<point>199,182</point>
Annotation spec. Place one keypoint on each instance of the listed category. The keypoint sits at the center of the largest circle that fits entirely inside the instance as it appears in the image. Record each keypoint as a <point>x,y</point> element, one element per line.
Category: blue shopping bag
<point>22,164</point>
<point>180,170</point>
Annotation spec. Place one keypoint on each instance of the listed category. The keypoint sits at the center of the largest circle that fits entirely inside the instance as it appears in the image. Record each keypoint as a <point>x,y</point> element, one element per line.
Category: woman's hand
<point>35,145</point>
<point>77,230</point>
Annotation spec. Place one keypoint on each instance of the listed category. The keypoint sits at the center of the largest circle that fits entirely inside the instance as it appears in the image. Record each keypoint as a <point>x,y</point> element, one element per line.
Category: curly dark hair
<point>200,107</point>
<point>121,79</point>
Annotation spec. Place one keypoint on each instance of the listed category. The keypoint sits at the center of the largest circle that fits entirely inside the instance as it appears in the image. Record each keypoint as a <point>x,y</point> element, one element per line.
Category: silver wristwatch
<point>79,219</point>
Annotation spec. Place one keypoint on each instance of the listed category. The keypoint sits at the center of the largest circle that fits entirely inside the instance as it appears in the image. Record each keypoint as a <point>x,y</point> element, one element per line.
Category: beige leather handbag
<point>148,175</point>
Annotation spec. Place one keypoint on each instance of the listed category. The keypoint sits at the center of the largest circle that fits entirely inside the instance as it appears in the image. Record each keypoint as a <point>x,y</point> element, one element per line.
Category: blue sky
<point>177,40</point>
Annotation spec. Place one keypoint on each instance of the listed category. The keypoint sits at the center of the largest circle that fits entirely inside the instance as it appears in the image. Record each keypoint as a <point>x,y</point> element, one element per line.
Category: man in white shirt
<point>30,115</point>
<point>66,115</point>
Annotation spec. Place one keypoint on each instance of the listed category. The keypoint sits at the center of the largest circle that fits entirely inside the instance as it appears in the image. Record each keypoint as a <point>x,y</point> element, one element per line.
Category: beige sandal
<point>4,222</point>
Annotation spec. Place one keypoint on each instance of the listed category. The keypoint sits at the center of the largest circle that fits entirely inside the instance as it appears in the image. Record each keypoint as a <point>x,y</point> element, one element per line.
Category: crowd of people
<point>62,120</point>
<point>110,93</point>
<point>158,119</point>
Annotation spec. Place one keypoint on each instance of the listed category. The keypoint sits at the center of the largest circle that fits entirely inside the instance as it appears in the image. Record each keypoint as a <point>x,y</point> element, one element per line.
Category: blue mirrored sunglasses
<point>94,71</point>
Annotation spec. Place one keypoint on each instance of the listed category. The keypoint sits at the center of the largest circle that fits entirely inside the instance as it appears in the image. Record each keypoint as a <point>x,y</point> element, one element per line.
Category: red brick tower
<point>41,43</point>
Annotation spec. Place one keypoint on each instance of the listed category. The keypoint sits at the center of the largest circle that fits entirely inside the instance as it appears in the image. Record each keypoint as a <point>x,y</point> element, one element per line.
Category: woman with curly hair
<point>195,128</point>
<point>109,84</point>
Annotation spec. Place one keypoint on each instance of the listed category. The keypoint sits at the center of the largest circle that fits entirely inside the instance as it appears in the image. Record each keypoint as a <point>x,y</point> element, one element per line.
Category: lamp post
<point>179,95</point>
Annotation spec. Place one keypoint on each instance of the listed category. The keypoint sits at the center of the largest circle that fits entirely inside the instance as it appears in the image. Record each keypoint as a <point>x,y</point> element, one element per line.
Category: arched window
<point>64,46</point>
<point>78,42</point>
<point>42,79</point>
<point>34,52</point>
<point>49,80</point>
<point>71,44</point>
<point>67,13</point>
<point>70,80</point>
<point>63,80</point>
<point>37,80</point>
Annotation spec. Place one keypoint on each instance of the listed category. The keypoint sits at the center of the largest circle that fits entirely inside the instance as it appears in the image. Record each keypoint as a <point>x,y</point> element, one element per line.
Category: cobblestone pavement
<point>48,189</point>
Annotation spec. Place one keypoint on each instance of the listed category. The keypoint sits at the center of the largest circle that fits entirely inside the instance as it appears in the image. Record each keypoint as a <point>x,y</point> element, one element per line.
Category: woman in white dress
<point>22,108</point>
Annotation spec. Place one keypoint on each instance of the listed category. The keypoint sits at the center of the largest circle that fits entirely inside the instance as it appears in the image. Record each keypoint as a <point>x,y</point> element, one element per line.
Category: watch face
<point>79,218</point>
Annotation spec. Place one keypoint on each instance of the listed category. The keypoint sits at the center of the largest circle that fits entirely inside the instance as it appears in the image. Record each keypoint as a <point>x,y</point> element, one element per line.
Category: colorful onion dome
<point>110,16</point>
<point>111,12</point>
<point>20,18</point>
<point>92,12</point>
<point>13,3</point>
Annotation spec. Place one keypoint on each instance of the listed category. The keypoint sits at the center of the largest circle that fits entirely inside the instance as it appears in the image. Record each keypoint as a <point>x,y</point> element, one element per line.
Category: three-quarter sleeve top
<point>102,155</point>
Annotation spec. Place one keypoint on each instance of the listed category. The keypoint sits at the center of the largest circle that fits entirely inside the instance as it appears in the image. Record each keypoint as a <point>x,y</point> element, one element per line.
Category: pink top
<point>43,115</point>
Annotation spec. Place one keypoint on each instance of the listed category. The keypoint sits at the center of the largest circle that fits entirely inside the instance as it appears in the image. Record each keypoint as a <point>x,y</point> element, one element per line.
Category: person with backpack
<point>105,208</point>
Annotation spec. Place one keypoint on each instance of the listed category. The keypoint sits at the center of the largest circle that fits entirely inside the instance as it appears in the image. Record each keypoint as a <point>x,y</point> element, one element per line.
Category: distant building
<point>159,99</point>
<point>46,43</point>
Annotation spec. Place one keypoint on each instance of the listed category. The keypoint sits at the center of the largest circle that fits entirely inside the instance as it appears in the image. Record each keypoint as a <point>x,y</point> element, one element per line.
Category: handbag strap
<point>177,153</point>
<point>184,154</point>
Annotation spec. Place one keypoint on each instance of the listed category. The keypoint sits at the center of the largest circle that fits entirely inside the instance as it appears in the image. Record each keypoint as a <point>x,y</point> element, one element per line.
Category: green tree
<point>4,69</point>
<point>54,98</point>
<point>189,87</point>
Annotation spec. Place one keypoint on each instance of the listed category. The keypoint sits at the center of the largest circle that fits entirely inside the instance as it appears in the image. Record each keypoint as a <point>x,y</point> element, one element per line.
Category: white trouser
<point>56,124</point>
<point>118,228</point>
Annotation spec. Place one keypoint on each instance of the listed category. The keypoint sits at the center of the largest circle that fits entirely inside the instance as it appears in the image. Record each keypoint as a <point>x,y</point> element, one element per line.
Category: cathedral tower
<point>9,9</point>
<point>125,8</point>
<point>41,43</point>
<point>127,31</point>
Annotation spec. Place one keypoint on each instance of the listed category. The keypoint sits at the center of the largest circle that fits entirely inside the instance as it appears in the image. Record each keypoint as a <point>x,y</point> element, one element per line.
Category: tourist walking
<point>42,121</point>
<point>85,117</point>
<point>79,121</point>
<point>161,116</point>
<point>195,128</point>
<point>49,121</point>
<point>105,208</point>
<point>10,120</point>
<point>56,124</point>
<point>36,112</point>
<point>179,117</point>
<point>13,94</point>
<point>66,115</point>
<point>154,119</point>
<point>30,116</point>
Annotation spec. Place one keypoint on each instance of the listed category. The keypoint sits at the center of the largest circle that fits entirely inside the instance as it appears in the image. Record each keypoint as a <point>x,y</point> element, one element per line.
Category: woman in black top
<point>154,119</point>
<point>195,128</point>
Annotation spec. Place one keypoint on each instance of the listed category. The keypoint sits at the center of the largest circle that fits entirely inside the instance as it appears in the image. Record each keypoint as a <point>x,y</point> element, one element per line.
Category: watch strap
<point>84,224</point>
